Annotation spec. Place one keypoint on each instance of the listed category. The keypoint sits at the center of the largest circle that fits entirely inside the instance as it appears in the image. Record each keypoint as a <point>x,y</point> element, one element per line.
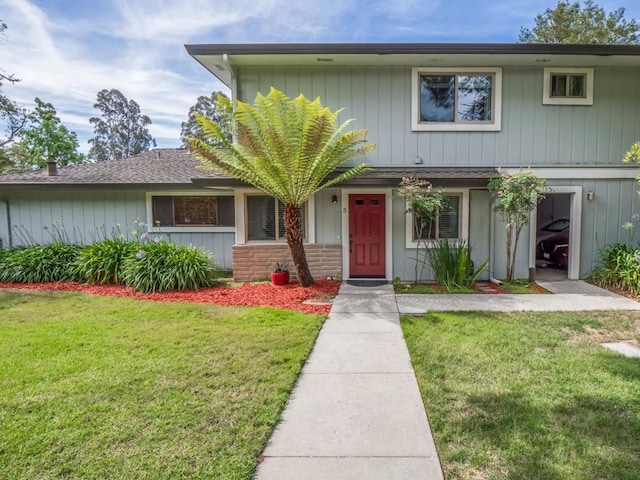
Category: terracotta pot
<point>280,278</point>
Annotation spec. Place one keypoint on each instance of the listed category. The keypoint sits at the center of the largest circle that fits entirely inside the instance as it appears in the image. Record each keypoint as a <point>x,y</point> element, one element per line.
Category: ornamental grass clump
<point>102,262</point>
<point>452,265</point>
<point>158,266</point>
<point>619,267</point>
<point>39,263</point>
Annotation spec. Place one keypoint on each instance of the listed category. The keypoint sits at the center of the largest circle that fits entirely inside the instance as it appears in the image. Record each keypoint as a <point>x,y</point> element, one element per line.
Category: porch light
<point>591,195</point>
<point>334,199</point>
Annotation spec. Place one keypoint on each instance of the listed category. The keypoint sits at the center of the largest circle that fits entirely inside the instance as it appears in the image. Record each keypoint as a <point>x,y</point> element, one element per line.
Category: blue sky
<point>66,51</point>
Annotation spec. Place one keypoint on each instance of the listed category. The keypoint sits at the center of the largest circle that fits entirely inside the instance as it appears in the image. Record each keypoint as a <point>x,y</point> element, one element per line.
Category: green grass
<point>529,396</point>
<point>97,387</point>
<point>522,287</point>
<point>430,289</point>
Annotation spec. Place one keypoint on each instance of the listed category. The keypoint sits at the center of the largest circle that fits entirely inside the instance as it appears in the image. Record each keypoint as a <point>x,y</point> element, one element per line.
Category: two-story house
<point>455,114</point>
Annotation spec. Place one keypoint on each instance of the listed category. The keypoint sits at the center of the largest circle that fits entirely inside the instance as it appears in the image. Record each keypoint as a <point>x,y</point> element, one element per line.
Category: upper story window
<point>265,218</point>
<point>568,86</point>
<point>456,99</point>
<point>190,211</point>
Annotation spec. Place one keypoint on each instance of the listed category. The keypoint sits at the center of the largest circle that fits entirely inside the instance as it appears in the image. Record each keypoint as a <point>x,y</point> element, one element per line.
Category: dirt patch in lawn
<point>616,327</point>
<point>314,299</point>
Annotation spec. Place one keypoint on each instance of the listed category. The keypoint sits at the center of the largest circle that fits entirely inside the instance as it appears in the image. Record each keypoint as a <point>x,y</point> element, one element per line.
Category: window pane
<point>195,210</point>
<point>474,98</point>
<point>449,218</point>
<point>437,98</point>
<point>162,211</point>
<point>424,229</point>
<point>226,212</point>
<point>261,218</point>
<point>558,85</point>
<point>576,87</point>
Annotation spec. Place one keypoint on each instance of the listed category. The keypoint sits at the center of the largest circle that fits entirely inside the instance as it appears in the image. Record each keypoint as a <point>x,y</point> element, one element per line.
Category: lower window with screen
<point>446,225</point>
<point>265,218</point>
<point>186,211</point>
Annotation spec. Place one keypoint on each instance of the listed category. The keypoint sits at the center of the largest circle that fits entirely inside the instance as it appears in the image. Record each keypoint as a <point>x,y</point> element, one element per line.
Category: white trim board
<point>575,215</point>
<point>579,173</point>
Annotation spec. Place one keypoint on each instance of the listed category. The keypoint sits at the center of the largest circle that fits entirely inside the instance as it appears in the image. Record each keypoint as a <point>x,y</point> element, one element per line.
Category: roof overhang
<point>221,59</point>
<point>391,177</point>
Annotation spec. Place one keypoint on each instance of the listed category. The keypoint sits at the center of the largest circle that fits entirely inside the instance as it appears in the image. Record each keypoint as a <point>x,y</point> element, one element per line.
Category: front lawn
<point>102,387</point>
<point>529,395</point>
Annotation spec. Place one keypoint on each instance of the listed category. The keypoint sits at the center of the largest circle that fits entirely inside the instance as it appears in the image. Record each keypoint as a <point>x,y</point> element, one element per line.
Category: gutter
<point>492,247</point>
<point>8,218</point>
<point>234,79</point>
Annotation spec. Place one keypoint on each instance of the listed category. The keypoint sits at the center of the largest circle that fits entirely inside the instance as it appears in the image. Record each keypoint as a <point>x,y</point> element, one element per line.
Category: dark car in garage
<point>553,244</point>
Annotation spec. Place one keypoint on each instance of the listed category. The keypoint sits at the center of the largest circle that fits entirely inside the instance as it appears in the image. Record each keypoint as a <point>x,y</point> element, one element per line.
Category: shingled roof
<point>159,167</point>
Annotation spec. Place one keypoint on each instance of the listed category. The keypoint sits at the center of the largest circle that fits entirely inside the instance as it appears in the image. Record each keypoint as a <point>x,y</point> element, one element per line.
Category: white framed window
<point>190,212</point>
<point>452,222</point>
<point>456,99</point>
<point>265,219</point>
<point>568,86</point>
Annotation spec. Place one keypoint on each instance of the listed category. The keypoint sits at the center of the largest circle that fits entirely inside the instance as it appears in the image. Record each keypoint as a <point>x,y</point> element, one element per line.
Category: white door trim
<point>388,197</point>
<point>575,216</point>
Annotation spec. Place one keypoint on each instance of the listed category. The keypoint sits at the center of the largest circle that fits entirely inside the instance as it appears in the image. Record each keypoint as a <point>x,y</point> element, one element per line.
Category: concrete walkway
<point>570,295</point>
<point>356,411</point>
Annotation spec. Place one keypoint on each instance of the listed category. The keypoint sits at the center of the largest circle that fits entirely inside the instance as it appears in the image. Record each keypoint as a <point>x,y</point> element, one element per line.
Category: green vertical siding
<point>88,215</point>
<point>532,133</point>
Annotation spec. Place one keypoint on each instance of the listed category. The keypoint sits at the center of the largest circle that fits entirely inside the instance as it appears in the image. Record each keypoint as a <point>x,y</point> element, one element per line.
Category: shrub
<point>39,263</point>
<point>619,266</point>
<point>160,266</point>
<point>102,262</point>
<point>452,264</point>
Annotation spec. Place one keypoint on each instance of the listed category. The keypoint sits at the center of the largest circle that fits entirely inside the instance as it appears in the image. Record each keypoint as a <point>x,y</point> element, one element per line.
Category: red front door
<point>366,235</point>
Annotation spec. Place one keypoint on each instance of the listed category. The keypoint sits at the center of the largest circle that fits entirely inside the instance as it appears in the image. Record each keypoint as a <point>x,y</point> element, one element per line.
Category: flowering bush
<point>157,266</point>
<point>102,261</point>
<point>39,263</point>
<point>517,196</point>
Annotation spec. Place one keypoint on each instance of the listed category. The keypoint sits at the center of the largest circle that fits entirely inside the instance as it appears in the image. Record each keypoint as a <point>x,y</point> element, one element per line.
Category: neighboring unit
<point>455,114</point>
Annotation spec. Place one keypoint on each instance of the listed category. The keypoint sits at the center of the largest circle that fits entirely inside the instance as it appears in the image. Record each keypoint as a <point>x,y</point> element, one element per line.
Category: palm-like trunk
<point>292,223</point>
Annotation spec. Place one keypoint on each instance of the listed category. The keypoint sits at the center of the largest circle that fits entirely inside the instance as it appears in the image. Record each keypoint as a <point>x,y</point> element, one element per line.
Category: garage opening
<point>552,250</point>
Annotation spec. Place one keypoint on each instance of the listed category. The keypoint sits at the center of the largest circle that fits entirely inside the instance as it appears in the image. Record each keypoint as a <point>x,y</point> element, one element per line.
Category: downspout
<point>8,218</point>
<point>234,79</point>
<point>492,253</point>
<point>239,232</point>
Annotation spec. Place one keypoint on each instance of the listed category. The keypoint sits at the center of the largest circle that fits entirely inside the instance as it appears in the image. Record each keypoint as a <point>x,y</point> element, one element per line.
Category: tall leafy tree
<point>217,107</point>
<point>12,115</point>
<point>287,148</point>
<point>588,24</point>
<point>47,140</point>
<point>121,130</point>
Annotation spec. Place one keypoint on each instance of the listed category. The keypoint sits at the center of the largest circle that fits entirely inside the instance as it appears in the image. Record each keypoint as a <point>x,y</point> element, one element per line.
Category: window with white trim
<point>568,86</point>
<point>446,225</point>
<point>265,219</point>
<point>456,99</point>
<point>451,223</point>
<point>191,211</point>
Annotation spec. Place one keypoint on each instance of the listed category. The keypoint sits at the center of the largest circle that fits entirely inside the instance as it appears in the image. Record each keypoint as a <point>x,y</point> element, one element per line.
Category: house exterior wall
<point>93,213</point>
<point>615,201</point>
<point>255,261</point>
<point>532,133</point>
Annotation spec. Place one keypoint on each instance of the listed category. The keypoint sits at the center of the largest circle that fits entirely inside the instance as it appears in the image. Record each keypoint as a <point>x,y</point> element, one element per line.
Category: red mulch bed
<point>287,297</point>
